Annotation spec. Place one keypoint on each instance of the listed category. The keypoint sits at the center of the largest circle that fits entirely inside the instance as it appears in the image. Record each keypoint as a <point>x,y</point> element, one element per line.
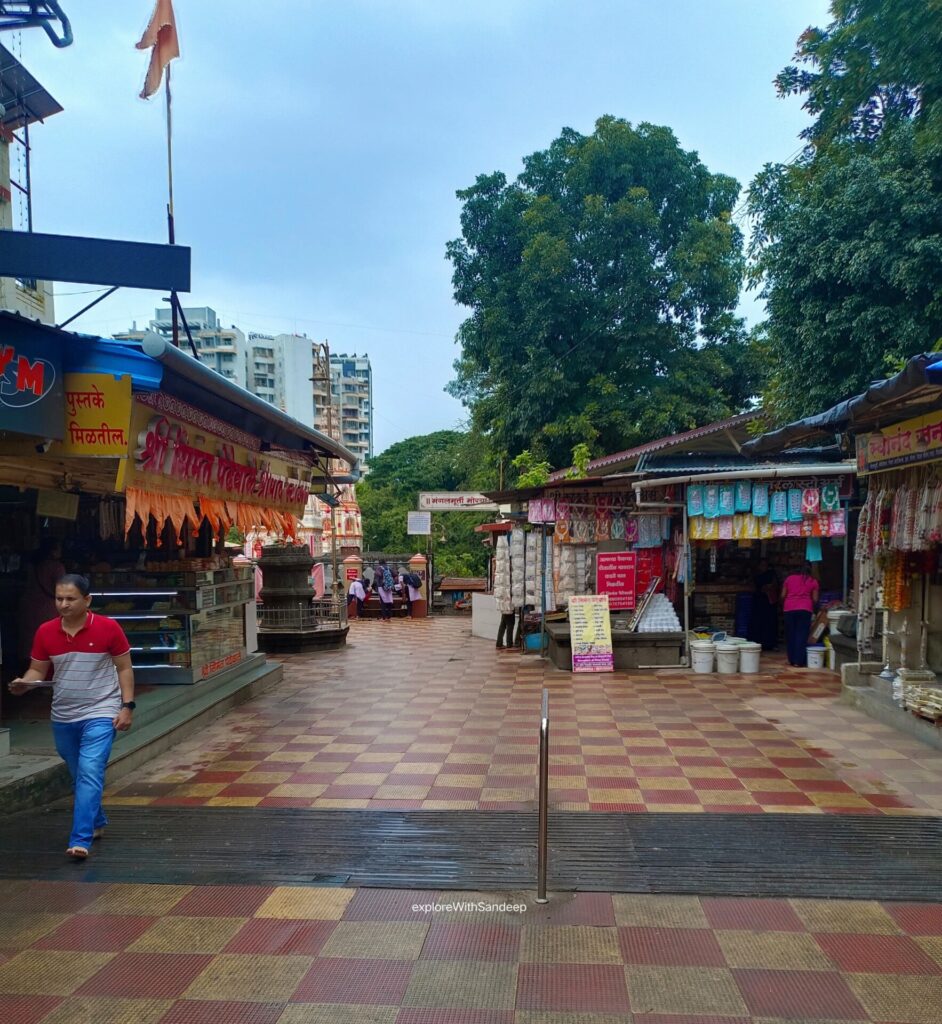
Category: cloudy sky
<point>318,146</point>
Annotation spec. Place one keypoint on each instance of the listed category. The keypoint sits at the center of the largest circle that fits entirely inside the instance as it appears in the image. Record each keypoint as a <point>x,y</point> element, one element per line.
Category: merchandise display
<point>659,617</point>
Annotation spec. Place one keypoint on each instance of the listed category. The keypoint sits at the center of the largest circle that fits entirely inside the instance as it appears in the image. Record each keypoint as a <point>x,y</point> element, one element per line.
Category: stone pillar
<point>419,565</point>
<point>352,570</point>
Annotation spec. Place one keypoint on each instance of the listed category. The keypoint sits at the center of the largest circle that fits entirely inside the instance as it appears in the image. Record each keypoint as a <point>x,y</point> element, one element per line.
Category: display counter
<point>183,626</point>
<point>630,650</point>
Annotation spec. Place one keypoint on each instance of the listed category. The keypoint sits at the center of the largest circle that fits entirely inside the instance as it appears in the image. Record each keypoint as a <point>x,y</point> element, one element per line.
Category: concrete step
<point>42,779</point>
<point>875,702</point>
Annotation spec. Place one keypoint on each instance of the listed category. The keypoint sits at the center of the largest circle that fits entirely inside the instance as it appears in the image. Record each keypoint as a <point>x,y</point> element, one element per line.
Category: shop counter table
<point>630,650</point>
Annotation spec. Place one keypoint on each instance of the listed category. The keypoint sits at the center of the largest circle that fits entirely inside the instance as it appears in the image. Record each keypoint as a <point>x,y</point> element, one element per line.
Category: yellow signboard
<point>904,444</point>
<point>174,457</point>
<point>97,415</point>
<point>590,633</point>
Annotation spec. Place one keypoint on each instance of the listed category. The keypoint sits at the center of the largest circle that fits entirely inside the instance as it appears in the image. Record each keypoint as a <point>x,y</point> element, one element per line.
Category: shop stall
<point>131,464</point>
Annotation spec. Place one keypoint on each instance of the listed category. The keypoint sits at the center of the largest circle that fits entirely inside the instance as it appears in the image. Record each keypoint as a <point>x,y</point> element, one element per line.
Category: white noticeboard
<point>418,524</point>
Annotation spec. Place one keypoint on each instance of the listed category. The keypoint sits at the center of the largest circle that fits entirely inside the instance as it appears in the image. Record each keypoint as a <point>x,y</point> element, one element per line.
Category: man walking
<point>92,696</point>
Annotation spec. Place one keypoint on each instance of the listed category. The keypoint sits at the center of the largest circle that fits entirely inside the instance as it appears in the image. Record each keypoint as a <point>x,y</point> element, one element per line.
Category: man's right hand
<point>18,686</point>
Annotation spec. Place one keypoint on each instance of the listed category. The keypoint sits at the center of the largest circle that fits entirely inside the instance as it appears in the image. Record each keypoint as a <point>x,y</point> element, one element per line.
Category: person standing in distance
<point>92,697</point>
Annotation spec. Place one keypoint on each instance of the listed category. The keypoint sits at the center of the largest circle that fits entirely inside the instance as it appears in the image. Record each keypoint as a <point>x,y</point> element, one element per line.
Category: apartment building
<point>351,388</point>
<point>279,370</point>
<point>223,349</point>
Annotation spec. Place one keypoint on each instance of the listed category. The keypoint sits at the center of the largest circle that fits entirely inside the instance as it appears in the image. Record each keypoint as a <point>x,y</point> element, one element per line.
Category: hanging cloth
<point>830,497</point>
<point>794,504</point>
<point>695,500</point>
<point>743,496</point>
<point>813,549</point>
<point>727,499</point>
<point>711,500</point>
<point>778,507</point>
<point>810,501</point>
<point>760,499</point>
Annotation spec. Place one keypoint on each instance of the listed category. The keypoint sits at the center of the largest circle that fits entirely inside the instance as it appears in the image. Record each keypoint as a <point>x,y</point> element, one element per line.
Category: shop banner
<point>98,414</point>
<point>590,631</point>
<point>173,457</point>
<point>903,444</point>
<point>455,501</point>
<point>616,574</point>
<point>31,381</point>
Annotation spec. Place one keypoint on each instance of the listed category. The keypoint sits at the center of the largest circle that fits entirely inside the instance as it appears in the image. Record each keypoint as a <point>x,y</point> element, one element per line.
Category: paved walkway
<point>143,954</point>
<point>421,715</point>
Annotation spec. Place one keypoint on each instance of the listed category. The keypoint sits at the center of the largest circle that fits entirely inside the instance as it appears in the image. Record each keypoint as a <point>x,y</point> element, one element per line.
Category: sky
<point>318,147</point>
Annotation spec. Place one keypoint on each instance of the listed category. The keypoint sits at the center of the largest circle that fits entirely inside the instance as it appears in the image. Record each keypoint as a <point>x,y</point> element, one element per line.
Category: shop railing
<point>304,617</point>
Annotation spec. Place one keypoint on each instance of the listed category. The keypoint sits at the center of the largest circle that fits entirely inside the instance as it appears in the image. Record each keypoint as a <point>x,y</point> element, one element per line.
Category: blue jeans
<point>797,625</point>
<point>85,748</point>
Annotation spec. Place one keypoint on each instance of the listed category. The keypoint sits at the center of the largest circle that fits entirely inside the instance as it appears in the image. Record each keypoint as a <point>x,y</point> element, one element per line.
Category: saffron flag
<point>160,37</point>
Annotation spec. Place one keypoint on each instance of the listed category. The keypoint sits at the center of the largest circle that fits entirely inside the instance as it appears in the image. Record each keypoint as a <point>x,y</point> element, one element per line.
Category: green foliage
<point>447,460</point>
<point>533,473</point>
<point>875,65</point>
<point>848,242</point>
<point>235,536</point>
<point>601,285</point>
<point>581,457</point>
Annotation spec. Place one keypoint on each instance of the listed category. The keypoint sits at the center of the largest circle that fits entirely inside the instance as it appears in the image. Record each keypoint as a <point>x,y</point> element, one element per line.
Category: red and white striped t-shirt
<point>84,679</point>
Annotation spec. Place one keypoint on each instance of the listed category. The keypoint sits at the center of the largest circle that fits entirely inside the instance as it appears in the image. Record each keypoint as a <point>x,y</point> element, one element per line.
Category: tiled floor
<point>422,715</point>
<point>149,954</point>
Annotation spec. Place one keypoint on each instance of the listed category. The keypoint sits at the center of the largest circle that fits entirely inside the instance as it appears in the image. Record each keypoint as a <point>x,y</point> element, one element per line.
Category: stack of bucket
<point>732,655</point>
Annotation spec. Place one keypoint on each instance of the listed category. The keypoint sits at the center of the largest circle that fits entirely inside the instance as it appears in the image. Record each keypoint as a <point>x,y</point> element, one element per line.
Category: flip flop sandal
<point>77,852</point>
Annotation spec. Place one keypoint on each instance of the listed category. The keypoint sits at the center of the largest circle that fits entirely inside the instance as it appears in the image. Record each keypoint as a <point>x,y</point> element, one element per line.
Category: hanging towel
<point>813,549</point>
<point>727,499</point>
<point>743,495</point>
<point>760,499</point>
<point>830,497</point>
<point>711,501</point>
<point>778,507</point>
<point>810,501</point>
<point>726,527</point>
<point>794,504</point>
<point>695,500</point>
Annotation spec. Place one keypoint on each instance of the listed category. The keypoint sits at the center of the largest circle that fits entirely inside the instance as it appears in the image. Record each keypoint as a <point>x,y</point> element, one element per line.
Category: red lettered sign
<point>616,575</point>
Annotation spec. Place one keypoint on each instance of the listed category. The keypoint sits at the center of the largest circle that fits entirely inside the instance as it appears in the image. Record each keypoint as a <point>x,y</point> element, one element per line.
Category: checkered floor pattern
<point>162,954</point>
<point>418,714</point>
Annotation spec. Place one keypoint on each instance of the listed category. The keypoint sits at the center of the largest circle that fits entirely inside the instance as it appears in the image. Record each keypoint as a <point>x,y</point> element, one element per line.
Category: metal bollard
<point>542,849</point>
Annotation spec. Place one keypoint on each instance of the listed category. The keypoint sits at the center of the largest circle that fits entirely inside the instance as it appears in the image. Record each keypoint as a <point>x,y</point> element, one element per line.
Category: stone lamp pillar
<point>419,565</point>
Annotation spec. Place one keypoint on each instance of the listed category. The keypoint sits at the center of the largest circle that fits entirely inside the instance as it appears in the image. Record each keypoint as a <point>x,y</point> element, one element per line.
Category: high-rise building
<point>280,372</point>
<point>351,388</point>
<point>222,349</point>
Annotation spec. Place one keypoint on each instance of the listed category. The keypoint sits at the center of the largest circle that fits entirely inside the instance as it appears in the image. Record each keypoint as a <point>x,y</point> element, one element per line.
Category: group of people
<point>798,595</point>
<point>386,584</point>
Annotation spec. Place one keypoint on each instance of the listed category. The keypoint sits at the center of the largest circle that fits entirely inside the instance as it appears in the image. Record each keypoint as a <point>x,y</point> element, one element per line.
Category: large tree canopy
<point>601,284</point>
<point>877,63</point>
<point>848,241</point>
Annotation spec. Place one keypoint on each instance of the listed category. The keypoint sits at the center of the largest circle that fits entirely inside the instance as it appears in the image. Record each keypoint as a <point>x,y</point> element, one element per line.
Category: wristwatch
<point>129,704</point>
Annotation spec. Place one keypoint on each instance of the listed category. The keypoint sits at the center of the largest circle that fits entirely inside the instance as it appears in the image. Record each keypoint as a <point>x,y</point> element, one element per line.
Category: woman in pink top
<point>799,596</point>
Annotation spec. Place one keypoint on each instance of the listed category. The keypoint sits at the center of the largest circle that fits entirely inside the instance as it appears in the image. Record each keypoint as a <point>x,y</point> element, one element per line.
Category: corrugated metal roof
<point>23,98</point>
<point>672,441</point>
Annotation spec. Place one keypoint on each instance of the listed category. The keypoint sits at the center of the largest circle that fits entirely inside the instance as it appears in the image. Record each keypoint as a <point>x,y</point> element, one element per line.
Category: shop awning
<point>189,380</point>
<point>915,390</point>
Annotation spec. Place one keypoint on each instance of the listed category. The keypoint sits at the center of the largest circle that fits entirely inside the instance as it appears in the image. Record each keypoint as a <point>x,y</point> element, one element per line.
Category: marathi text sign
<point>616,575</point>
<point>903,444</point>
<point>590,632</point>
<point>97,414</point>
<point>455,501</point>
<point>174,457</point>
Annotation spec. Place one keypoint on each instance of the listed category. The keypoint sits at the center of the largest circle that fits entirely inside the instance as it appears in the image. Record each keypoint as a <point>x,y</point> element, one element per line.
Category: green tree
<point>847,246</point>
<point>601,285</point>
<point>446,460</point>
<point>877,63</point>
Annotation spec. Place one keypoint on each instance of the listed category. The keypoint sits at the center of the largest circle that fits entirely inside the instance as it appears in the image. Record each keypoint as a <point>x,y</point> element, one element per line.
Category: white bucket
<point>749,655</point>
<point>834,617</point>
<point>727,658</point>
<point>815,657</point>
<point>701,656</point>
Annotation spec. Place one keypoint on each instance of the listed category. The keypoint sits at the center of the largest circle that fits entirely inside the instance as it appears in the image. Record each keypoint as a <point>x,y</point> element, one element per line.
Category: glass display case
<point>182,626</point>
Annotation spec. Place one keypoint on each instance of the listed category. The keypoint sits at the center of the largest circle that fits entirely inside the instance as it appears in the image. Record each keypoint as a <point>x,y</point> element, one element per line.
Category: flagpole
<point>170,226</point>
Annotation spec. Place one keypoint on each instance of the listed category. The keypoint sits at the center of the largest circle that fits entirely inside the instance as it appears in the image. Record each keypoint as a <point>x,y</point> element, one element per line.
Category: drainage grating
<point>862,857</point>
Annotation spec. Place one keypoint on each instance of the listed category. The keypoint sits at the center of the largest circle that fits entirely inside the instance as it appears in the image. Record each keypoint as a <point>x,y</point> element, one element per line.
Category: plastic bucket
<point>749,655</point>
<point>816,657</point>
<point>727,658</point>
<point>701,656</point>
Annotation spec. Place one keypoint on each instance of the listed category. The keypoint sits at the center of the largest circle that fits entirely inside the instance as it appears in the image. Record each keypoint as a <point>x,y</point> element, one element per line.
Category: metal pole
<point>335,570</point>
<point>846,511</point>
<point>542,847</point>
<point>685,554</point>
